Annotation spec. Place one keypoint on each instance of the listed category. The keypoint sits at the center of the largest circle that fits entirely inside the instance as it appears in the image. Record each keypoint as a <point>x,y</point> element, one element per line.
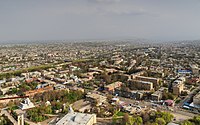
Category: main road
<point>189,96</point>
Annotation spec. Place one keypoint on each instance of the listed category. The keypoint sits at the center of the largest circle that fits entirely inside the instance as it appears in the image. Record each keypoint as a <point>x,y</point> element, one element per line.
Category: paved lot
<point>81,105</point>
<point>179,117</point>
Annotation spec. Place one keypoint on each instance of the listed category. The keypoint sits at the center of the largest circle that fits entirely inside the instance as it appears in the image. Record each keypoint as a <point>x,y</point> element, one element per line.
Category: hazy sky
<point>99,19</point>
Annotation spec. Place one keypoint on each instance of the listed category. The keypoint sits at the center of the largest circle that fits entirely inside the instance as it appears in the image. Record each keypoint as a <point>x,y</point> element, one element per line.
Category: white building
<point>75,118</point>
<point>27,104</point>
<point>20,119</point>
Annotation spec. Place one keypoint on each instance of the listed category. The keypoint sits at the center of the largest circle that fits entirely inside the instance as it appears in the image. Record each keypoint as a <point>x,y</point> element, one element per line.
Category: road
<point>180,117</point>
<point>132,101</point>
<point>30,122</point>
<point>179,113</point>
<point>188,97</point>
<point>5,112</point>
<point>176,111</point>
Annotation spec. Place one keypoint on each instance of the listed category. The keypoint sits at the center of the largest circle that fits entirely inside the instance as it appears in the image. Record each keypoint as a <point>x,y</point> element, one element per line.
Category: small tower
<point>20,119</point>
<point>70,110</point>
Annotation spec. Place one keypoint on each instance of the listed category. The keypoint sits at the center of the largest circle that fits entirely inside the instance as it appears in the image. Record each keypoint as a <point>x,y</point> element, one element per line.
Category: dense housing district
<point>100,83</point>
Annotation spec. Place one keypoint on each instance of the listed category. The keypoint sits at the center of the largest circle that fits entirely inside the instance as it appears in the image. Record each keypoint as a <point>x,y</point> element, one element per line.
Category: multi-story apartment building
<point>140,85</point>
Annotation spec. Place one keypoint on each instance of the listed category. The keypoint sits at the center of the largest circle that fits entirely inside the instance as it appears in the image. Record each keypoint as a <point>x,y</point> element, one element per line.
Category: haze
<point>99,19</point>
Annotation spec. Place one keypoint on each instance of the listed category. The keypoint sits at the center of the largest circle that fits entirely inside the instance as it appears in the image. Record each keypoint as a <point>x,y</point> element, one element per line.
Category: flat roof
<point>114,84</point>
<point>95,96</point>
<point>75,118</point>
<point>145,82</point>
<point>152,78</point>
<point>197,95</point>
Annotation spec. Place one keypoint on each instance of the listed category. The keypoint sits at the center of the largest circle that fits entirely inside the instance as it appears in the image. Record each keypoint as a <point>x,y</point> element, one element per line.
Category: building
<point>140,85</point>
<point>196,99</point>
<point>111,87</point>
<point>75,118</point>
<point>178,85</point>
<point>96,98</point>
<point>20,119</point>
<point>115,101</point>
<point>134,75</point>
<point>184,72</point>
<point>182,79</point>
<point>131,109</point>
<point>169,103</point>
<point>195,69</point>
<point>123,93</point>
<point>121,76</point>
<point>128,109</point>
<point>171,123</point>
<point>60,87</point>
<point>155,81</point>
<point>27,104</point>
<point>136,95</point>
<point>2,82</point>
<point>157,95</point>
<point>178,88</point>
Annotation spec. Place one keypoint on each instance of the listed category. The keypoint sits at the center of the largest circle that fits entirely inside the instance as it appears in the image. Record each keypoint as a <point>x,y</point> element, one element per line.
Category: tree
<point>184,93</point>
<point>168,95</point>
<point>145,117</point>
<point>187,123</point>
<point>48,110</point>
<point>1,93</point>
<point>167,116</point>
<point>196,120</point>
<point>149,123</point>
<point>126,118</point>
<point>131,120</point>
<point>138,120</point>
<point>56,105</point>
<point>160,121</point>
<point>4,120</point>
<point>37,114</point>
<point>114,119</point>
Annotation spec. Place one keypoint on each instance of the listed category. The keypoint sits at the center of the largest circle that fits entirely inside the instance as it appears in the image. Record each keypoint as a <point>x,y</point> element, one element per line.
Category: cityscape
<point>100,82</point>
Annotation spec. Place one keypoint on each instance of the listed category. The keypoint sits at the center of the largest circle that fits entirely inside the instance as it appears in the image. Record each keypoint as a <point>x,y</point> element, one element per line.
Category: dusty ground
<point>81,105</point>
<point>103,122</point>
<point>47,121</point>
<point>180,117</point>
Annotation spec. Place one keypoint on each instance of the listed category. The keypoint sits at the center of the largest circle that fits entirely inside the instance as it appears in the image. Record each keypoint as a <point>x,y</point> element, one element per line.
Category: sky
<point>99,19</point>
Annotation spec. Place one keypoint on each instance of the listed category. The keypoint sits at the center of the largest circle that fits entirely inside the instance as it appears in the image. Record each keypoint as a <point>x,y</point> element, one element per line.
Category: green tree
<point>160,121</point>
<point>145,117</point>
<point>56,105</point>
<point>114,119</point>
<point>37,114</point>
<point>149,123</point>
<point>167,116</point>
<point>138,120</point>
<point>126,118</point>
<point>196,120</point>
<point>187,123</point>
<point>131,120</point>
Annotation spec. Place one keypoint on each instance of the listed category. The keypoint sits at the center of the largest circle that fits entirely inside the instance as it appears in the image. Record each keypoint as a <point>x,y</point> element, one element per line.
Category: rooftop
<point>115,84</point>
<point>197,96</point>
<point>144,82</point>
<point>75,118</point>
<point>95,96</point>
<point>147,77</point>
